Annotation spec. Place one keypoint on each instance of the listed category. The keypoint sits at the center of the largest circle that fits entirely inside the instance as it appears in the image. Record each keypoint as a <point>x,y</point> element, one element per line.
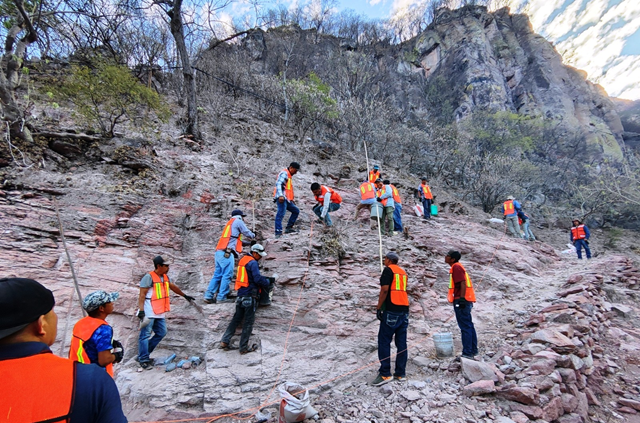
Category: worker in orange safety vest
<point>328,201</point>
<point>462,295</point>
<point>397,211</point>
<point>374,174</point>
<point>579,236</point>
<point>367,198</point>
<point>284,199</point>
<point>92,339</point>
<point>426,197</point>
<point>153,303</point>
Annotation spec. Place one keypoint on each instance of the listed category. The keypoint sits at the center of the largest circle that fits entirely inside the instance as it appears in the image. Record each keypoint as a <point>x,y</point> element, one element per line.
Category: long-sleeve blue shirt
<point>237,228</point>
<point>283,177</point>
<point>586,233</point>
<point>387,193</point>
<point>256,280</point>
<point>516,208</point>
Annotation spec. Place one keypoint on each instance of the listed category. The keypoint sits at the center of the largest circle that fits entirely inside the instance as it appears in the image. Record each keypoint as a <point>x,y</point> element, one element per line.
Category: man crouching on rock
<point>249,281</point>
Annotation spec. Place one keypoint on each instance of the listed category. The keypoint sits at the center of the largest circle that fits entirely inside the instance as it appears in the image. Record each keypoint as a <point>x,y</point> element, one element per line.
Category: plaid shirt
<point>282,180</point>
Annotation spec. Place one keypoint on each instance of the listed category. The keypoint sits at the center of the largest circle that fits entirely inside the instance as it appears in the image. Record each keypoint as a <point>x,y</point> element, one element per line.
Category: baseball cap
<point>376,167</point>
<point>98,298</point>
<point>295,165</point>
<point>159,261</point>
<point>510,197</point>
<point>392,256</point>
<point>258,248</point>
<point>237,212</point>
<point>22,301</point>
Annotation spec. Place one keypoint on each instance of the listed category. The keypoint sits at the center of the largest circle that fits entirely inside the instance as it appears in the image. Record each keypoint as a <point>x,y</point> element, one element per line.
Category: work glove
<point>379,200</point>
<point>272,280</point>
<point>140,314</point>
<point>118,350</point>
<point>189,298</point>
<point>379,314</point>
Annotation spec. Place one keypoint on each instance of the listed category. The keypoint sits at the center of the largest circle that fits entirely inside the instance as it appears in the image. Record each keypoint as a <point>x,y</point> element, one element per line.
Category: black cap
<point>22,301</point>
<point>295,165</point>
<point>159,261</point>
<point>237,212</point>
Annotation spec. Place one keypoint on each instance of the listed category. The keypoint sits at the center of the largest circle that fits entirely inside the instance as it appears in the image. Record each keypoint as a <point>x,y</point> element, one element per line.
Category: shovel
<point>197,307</point>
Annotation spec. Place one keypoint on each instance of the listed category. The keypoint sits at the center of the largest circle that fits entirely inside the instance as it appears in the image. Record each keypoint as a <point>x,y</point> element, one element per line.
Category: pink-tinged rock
<point>591,397</point>
<point>555,338</point>
<point>480,387</point>
<point>555,307</point>
<point>574,279</point>
<point>535,319</point>
<point>568,375</point>
<point>572,290</point>
<point>519,417</point>
<point>583,406</point>
<point>474,371</point>
<point>570,418</point>
<point>553,409</point>
<point>544,366</point>
<point>569,403</point>
<point>629,403</point>
<point>627,410</point>
<point>519,394</point>
<point>552,355</point>
<point>531,411</point>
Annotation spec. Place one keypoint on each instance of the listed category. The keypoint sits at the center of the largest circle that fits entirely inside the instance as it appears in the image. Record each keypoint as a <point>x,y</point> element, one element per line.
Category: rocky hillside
<point>558,340</point>
<point>467,60</point>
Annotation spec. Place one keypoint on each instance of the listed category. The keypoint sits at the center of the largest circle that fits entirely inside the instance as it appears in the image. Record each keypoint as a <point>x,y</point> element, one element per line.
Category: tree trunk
<point>177,30</point>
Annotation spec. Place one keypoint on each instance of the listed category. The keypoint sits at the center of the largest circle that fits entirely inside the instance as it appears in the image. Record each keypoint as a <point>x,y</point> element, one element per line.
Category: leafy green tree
<point>311,103</point>
<point>109,95</point>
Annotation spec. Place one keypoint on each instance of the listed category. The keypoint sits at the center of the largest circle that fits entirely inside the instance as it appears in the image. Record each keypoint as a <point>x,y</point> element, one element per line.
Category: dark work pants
<point>579,243</point>
<point>393,324</point>
<point>468,331</point>
<point>246,315</point>
<point>426,204</point>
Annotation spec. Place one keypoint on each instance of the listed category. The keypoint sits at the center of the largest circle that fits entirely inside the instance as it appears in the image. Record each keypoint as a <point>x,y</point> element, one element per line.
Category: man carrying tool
<point>328,201</point>
<point>426,197</point>
<point>153,303</point>
<point>393,313</point>
<point>249,282</point>
<point>35,385</point>
<point>374,174</point>
<point>228,248</point>
<point>462,295</point>
<point>397,210</point>
<point>283,197</point>
<point>510,210</point>
<point>579,237</point>
<point>92,340</point>
<point>384,195</point>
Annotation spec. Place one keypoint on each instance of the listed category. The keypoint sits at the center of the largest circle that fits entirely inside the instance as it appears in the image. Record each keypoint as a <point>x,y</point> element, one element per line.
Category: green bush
<point>109,95</point>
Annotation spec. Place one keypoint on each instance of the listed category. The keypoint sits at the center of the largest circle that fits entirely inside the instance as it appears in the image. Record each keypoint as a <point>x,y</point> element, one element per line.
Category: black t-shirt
<point>385,279</point>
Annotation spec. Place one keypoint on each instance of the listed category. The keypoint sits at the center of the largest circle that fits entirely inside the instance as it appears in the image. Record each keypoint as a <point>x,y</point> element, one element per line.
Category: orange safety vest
<point>242,279</point>
<point>226,237</point>
<point>287,187</point>
<point>508,207</point>
<point>160,293</point>
<point>396,195</point>
<point>374,175</point>
<point>578,232</point>
<point>469,293</point>
<point>398,288</point>
<point>335,197</point>
<point>426,191</point>
<point>82,332</point>
<point>367,191</point>
<point>38,388</point>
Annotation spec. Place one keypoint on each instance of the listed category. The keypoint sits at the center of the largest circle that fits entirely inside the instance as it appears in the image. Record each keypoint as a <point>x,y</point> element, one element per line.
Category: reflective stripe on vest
<point>82,332</point>
<point>242,279</point>
<point>226,237</point>
<point>396,195</point>
<point>374,175</point>
<point>160,293</point>
<point>469,293</point>
<point>335,197</point>
<point>426,192</point>
<point>287,187</point>
<point>398,288</point>
<point>39,388</point>
<point>578,232</point>
<point>367,191</point>
<point>508,208</point>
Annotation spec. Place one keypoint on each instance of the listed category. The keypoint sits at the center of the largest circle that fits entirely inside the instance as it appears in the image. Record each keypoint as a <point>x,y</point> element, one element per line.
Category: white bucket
<point>444,344</point>
<point>376,211</point>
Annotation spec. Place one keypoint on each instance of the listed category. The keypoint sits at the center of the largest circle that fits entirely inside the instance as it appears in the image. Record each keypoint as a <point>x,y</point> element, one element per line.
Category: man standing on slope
<point>462,295</point>
<point>579,236</point>
<point>397,211</point>
<point>228,248</point>
<point>92,340</point>
<point>37,386</point>
<point>153,303</point>
<point>426,198</point>
<point>374,174</point>
<point>510,210</point>
<point>393,313</point>
<point>283,197</point>
<point>384,195</point>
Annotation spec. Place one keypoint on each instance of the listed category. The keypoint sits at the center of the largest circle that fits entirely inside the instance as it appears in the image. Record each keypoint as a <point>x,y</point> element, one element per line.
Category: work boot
<point>381,380</point>
<point>210,300</point>
<point>290,230</point>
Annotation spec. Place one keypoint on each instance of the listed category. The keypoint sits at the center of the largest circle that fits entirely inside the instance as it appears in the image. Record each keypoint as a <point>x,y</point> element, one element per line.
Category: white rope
<point>366,154</point>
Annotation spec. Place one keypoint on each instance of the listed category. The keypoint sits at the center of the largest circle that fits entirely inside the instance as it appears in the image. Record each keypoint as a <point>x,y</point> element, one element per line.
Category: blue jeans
<point>393,324</point>
<point>146,345</point>
<point>318,211</point>
<point>579,243</point>
<point>528,235</point>
<point>245,314</point>
<point>282,209</point>
<point>468,331</point>
<point>426,204</point>
<point>397,219</point>
<point>221,276</point>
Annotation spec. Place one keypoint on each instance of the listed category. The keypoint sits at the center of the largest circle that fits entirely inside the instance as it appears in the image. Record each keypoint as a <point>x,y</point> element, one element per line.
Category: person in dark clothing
<point>249,282</point>
<point>37,385</point>
<point>462,295</point>
<point>393,313</point>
